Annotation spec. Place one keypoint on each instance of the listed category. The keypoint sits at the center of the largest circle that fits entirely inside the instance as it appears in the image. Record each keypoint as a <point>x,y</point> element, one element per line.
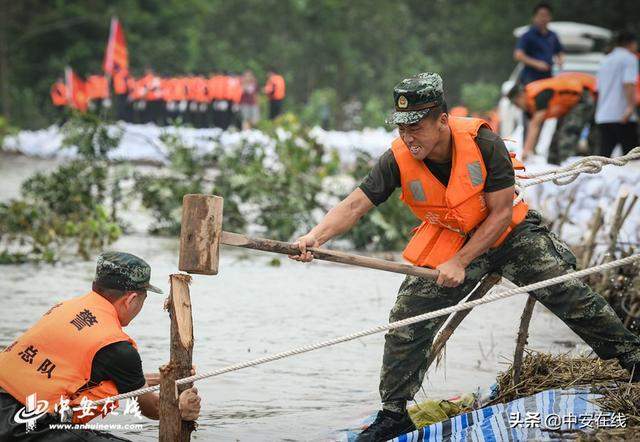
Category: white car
<point>584,50</point>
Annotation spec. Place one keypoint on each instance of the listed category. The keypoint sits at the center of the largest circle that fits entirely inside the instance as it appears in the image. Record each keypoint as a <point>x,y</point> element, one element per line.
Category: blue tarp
<point>537,417</point>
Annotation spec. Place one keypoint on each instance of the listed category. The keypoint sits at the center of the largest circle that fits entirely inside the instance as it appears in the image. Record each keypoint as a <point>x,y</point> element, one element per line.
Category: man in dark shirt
<point>529,253</point>
<point>537,47</point>
<point>118,294</point>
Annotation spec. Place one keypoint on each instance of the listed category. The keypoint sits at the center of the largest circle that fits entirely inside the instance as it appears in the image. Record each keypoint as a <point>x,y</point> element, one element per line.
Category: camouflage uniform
<point>567,135</point>
<point>530,254</point>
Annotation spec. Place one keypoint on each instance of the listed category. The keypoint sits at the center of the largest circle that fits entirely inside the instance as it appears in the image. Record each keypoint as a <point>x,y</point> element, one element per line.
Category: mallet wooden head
<point>200,234</point>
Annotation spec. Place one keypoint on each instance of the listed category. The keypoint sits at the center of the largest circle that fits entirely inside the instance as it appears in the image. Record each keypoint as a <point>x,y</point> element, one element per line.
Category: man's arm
<point>500,206</point>
<point>338,220</point>
<point>630,95</point>
<point>558,52</point>
<point>533,132</point>
<point>519,55</point>
<point>150,405</point>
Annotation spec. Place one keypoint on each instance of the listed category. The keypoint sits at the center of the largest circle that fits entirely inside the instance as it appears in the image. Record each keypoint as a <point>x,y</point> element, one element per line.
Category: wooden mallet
<point>201,235</point>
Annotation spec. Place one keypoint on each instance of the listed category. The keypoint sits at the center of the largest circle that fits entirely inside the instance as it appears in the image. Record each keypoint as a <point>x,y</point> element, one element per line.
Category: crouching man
<point>78,351</point>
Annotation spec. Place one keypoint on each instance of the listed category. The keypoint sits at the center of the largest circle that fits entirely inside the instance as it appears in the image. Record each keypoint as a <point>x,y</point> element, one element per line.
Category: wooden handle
<point>269,245</point>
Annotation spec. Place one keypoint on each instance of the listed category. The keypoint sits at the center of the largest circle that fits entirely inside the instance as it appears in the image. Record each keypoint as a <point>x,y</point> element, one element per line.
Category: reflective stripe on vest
<point>567,92</point>
<point>449,213</point>
<point>54,357</point>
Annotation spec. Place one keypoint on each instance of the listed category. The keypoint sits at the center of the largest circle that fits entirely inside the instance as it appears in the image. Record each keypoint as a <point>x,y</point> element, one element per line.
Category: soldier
<point>79,350</point>
<point>457,177</point>
<point>564,97</point>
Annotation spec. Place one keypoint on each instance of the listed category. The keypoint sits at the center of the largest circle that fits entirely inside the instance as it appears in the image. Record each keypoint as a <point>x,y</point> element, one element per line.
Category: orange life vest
<point>567,92</point>
<point>97,87</point>
<point>215,87</point>
<point>275,87</point>
<point>152,90</point>
<point>587,81</point>
<point>54,357</point>
<point>120,84</point>
<point>448,213</point>
<point>234,89</point>
<point>200,93</point>
<point>59,94</point>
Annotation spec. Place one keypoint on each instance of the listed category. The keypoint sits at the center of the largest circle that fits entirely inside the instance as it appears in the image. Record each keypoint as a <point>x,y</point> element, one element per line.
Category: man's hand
<point>303,242</point>
<point>451,273</point>
<point>189,404</point>
<point>542,66</point>
<point>629,110</point>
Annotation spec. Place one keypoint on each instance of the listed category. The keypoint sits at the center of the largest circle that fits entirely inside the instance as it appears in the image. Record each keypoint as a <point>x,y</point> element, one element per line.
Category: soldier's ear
<point>443,120</point>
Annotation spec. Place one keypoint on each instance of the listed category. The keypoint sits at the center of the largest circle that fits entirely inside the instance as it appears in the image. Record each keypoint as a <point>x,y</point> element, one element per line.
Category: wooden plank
<point>200,234</point>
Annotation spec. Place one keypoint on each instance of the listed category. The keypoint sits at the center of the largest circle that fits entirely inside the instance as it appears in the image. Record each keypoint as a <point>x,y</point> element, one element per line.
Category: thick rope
<point>442,312</point>
<point>591,164</point>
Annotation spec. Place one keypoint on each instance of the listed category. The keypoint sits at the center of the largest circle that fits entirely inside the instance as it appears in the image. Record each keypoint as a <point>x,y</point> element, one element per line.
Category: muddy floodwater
<point>253,308</point>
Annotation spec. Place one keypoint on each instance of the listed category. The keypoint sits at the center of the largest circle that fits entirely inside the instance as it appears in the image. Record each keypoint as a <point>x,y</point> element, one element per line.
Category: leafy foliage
<point>388,226</point>
<point>162,194</point>
<point>65,209</point>
<point>480,96</point>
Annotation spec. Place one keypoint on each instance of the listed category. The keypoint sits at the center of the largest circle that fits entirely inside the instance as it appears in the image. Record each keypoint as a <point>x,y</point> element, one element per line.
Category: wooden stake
<point>523,335</point>
<point>485,285</point>
<point>565,214</point>
<point>590,246</point>
<point>172,427</point>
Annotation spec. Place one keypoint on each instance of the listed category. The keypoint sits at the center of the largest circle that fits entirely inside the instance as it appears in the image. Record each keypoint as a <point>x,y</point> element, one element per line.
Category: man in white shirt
<point>615,113</point>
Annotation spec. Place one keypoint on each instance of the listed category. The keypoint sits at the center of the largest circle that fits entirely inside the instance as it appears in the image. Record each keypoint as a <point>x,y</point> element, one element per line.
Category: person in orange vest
<point>457,178</point>
<point>152,97</point>
<point>59,93</point>
<point>136,100</point>
<point>59,99</point>
<point>98,92</point>
<point>564,98</point>
<point>234,92</point>
<point>78,351</point>
<point>216,87</point>
<point>275,90</point>
<point>120,91</point>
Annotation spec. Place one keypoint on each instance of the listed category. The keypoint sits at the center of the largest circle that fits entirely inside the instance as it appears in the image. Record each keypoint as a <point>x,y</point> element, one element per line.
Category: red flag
<point>76,90</point>
<point>116,58</point>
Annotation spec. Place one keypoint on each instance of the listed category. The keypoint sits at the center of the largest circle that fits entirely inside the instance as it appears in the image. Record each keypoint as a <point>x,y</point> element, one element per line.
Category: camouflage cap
<point>414,97</point>
<point>123,271</point>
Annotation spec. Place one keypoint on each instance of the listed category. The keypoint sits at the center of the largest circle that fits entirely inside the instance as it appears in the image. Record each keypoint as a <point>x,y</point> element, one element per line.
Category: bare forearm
<point>630,94</point>
<point>524,58</point>
<point>485,236</point>
<point>342,217</point>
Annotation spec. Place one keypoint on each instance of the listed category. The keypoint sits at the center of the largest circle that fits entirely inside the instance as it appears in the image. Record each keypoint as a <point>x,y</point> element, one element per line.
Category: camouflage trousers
<point>567,135</point>
<point>530,254</point>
